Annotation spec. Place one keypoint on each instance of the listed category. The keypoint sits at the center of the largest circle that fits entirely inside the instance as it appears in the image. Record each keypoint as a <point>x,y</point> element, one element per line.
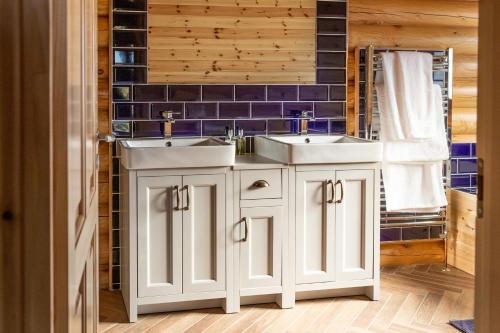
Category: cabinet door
<point>260,247</point>
<point>159,242</point>
<point>315,227</point>
<point>204,198</point>
<point>354,215</point>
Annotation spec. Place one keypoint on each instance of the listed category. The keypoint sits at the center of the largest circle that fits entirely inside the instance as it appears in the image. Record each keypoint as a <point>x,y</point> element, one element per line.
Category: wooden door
<point>487,292</point>
<point>204,209</point>
<point>315,227</point>
<point>354,199</point>
<point>48,170</point>
<point>159,239</point>
<point>260,247</point>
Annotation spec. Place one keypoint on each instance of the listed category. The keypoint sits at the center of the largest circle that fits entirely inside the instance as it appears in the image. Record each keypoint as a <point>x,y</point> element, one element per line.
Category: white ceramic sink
<point>182,153</point>
<point>318,149</point>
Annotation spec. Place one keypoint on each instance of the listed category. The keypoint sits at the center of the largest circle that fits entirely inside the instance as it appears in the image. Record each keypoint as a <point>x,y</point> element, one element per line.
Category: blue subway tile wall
<point>464,167</point>
<point>209,109</point>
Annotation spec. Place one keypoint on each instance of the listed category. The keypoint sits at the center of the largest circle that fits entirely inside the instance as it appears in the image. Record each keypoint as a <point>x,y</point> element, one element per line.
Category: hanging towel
<point>412,131</point>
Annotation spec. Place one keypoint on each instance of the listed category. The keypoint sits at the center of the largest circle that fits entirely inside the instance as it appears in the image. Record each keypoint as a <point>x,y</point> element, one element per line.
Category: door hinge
<point>480,187</point>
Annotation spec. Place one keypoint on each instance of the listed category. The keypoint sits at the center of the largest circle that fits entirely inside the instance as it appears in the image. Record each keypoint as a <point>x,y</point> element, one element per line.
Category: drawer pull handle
<point>245,221</point>
<point>341,191</point>
<point>260,184</point>
<point>330,182</point>
<point>176,189</point>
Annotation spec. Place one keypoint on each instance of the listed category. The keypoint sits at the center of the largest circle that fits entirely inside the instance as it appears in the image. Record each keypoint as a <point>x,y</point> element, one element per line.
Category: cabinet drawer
<point>260,184</point>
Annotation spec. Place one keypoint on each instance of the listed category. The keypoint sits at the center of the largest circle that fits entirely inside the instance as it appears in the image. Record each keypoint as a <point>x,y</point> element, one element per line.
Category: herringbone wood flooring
<point>414,299</point>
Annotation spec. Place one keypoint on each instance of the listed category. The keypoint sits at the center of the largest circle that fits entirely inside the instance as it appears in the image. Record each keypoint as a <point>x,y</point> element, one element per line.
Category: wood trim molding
<point>412,252</point>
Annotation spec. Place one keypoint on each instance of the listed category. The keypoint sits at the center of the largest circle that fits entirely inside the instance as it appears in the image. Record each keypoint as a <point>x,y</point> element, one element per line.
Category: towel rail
<point>368,125</point>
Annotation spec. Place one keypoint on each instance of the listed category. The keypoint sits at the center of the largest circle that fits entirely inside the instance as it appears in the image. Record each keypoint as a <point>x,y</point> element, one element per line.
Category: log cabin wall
<point>426,24</point>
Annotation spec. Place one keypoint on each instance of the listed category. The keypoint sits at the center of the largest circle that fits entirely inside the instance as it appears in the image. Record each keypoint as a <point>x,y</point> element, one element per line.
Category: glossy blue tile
<point>124,111</point>
<point>414,233</point>
<point>158,108</point>
<point>467,165</point>
<point>250,93</point>
<point>282,93</point>
<point>294,109</point>
<point>201,110</point>
<point>329,109</point>
<point>122,129</point>
<point>148,93</point>
<point>329,59</point>
<point>333,76</point>
<point>184,93</point>
<point>234,110</point>
<point>318,127</point>
<point>122,93</point>
<point>313,93</point>
<point>460,150</point>
<point>330,8</point>
<point>473,150</point>
<point>390,234</point>
<point>216,127</point>
<point>186,128</point>
<point>281,126</point>
<point>331,43</point>
<point>338,93</point>
<point>454,166</point>
<point>148,129</point>
<point>266,110</point>
<point>129,74</point>
<point>217,93</point>
<point>331,26</point>
<point>252,127</point>
<point>460,181</point>
<point>337,127</point>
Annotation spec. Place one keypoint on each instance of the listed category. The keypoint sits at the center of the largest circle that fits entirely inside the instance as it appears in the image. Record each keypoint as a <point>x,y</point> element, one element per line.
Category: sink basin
<point>182,153</point>
<point>318,149</point>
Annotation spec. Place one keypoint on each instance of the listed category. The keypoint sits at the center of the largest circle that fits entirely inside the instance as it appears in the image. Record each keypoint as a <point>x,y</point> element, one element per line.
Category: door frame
<point>487,292</point>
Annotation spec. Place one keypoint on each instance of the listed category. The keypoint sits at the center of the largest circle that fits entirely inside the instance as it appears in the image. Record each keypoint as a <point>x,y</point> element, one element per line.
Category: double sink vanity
<point>201,228</point>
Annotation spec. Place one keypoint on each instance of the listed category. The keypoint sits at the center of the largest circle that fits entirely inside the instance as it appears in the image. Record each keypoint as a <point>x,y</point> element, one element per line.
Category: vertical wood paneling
<point>216,41</point>
<point>104,125</point>
<point>424,24</point>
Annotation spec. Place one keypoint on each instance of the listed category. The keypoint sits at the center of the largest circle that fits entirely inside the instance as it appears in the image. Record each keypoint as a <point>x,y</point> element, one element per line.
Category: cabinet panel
<point>261,184</point>
<point>315,227</point>
<point>354,222</point>
<point>204,232</point>
<point>260,253</point>
<point>159,236</point>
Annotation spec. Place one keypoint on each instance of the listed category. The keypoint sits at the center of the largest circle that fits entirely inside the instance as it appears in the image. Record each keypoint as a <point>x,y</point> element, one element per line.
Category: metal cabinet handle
<point>186,187</point>
<point>176,189</point>
<point>341,191</point>
<point>105,137</point>
<point>330,182</point>
<point>245,221</point>
<point>260,184</point>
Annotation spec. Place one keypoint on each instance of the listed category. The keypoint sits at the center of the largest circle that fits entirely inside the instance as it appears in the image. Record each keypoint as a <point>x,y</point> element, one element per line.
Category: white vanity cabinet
<point>261,242</point>
<point>180,222</point>
<point>336,227</point>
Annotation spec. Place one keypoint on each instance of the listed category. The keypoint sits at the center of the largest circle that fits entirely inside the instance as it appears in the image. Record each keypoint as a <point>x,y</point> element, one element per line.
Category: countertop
<point>253,162</point>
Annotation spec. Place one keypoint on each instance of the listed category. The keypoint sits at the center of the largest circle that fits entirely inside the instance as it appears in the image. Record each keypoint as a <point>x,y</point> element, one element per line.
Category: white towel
<point>413,133</point>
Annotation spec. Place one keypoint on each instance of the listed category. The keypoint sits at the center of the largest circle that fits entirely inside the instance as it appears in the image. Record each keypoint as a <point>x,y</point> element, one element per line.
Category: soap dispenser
<point>241,143</point>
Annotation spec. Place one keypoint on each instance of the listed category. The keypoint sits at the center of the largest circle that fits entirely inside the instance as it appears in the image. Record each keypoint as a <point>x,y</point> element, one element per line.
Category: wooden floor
<point>414,299</point>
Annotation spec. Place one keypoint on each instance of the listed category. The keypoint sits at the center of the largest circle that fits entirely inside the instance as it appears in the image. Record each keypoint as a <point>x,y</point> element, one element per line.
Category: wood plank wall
<point>462,231</point>
<point>104,125</point>
<point>240,41</point>
<point>426,24</point>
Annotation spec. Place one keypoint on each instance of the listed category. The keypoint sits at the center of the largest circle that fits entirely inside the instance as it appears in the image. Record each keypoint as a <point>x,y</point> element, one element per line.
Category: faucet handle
<point>306,114</point>
<point>169,115</point>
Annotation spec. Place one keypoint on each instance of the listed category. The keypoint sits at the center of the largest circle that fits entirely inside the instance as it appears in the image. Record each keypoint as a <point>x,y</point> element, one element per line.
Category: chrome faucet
<point>167,125</point>
<point>305,117</point>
